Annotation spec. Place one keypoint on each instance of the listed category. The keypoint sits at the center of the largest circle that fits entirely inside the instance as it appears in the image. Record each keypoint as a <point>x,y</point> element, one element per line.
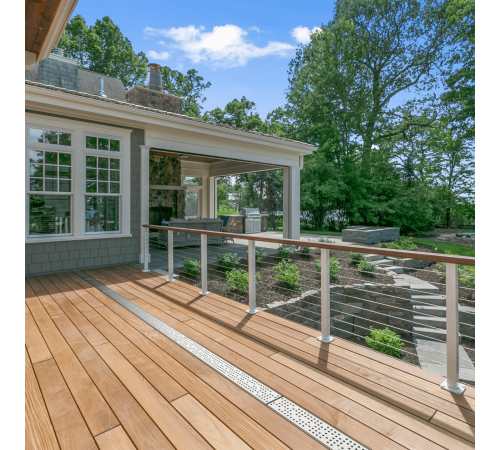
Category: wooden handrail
<point>437,257</point>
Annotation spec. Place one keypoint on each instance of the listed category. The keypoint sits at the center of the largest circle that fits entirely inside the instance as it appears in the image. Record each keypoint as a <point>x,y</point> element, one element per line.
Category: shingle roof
<point>158,111</point>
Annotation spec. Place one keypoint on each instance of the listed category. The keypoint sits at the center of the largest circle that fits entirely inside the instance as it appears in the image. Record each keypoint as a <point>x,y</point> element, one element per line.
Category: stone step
<point>437,311</point>
<point>395,269</point>
<point>383,262</point>
<point>438,300</point>
<point>423,288</point>
<point>374,257</point>
<point>437,322</point>
<point>424,332</point>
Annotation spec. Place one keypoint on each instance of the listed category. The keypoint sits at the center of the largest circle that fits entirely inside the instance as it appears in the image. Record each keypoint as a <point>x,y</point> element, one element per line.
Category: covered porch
<point>99,376</point>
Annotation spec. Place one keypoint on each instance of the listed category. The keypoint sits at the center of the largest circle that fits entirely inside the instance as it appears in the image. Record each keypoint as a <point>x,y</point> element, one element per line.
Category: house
<point>102,161</point>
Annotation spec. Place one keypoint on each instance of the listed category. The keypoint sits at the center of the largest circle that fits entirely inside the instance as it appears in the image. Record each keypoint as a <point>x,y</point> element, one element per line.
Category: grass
<point>448,248</point>
<point>323,233</point>
<point>227,212</point>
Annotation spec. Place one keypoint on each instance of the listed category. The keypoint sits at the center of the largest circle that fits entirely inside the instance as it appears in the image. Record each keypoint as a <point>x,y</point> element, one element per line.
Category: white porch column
<point>209,197</point>
<point>144,195</point>
<point>291,203</point>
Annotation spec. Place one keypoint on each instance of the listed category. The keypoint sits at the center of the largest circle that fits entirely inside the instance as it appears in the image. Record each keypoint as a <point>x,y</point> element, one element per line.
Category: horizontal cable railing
<point>423,312</point>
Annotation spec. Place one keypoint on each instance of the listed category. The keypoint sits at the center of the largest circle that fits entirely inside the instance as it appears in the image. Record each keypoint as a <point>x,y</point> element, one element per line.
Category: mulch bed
<point>270,289</point>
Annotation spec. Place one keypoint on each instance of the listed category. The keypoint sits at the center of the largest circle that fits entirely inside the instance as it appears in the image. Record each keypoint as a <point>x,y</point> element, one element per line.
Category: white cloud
<point>224,46</point>
<point>254,28</point>
<point>303,34</point>
<point>158,56</point>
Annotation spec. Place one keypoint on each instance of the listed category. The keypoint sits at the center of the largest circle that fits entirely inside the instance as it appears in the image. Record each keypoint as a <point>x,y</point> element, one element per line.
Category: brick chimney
<point>152,95</point>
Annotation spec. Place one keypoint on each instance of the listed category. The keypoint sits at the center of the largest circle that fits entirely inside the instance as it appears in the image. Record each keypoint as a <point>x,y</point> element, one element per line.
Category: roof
<point>158,111</point>
<point>88,82</point>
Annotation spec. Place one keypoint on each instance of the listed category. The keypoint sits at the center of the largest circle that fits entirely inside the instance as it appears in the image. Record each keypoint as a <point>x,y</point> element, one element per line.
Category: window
<point>100,143</point>
<point>50,171</point>
<point>191,181</point>
<point>102,176</point>
<point>50,137</point>
<point>49,214</point>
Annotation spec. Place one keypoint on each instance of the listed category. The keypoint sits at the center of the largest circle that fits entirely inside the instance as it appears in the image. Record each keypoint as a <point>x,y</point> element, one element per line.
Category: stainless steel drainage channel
<point>318,429</point>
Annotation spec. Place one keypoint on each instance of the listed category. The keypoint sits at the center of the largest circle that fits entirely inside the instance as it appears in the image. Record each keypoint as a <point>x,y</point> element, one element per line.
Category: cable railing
<point>428,307</point>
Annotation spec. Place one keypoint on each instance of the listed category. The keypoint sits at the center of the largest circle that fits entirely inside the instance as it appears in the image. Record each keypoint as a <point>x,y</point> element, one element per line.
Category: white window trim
<point>79,130</point>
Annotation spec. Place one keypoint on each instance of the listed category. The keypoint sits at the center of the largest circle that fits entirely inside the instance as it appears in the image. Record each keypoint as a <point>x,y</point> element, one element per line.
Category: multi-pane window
<point>100,143</point>
<point>50,171</point>
<point>102,213</point>
<point>49,214</point>
<point>102,175</point>
<point>50,137</point>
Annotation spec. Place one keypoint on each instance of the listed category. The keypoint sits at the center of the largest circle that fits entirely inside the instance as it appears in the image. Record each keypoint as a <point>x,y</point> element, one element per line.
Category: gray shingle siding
<point>89,82</point>
<point>51,257</point>
<point>58,73</point>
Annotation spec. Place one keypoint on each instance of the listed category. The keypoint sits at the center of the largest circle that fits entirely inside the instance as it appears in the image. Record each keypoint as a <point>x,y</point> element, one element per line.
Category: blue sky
<point>242,48</point>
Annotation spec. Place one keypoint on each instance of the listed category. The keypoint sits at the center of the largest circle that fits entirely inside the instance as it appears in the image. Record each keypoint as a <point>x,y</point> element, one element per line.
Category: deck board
<point>151,393</point>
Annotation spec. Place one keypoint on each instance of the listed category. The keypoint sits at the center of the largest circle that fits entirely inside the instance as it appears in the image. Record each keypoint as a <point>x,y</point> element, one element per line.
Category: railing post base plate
<point>146,271</point>
<point>204,293</point>
<point>327,340</point>
<point>249,311</point>
<point>458,390</point>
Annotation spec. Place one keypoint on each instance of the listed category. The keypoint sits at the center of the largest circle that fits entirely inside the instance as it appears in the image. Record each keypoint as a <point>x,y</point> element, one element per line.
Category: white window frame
<point>79,131</point>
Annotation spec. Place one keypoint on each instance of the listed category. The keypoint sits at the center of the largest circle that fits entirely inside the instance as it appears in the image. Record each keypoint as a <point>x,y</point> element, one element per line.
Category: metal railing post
<point>251,279</point>
<point>145,256</point>
<point>204,290</point>
<point>325,297</point>
<point>452,337</point>
<point>170,250</point>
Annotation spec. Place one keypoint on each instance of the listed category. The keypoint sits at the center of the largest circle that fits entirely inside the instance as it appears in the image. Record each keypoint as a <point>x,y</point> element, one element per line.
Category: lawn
<point>227,212</point>
<point>446,247</point>
<point>323,233</point>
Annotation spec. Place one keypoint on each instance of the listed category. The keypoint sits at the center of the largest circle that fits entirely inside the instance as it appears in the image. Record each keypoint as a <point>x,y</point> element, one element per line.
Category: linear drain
<point>318,429</point>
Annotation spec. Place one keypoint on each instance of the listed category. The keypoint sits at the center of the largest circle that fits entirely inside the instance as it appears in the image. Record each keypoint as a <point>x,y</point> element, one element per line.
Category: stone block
<point>369,235</point>
<point>139,95</point>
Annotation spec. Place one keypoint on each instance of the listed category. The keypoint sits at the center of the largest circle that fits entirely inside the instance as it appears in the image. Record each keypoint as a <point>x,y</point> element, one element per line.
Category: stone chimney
<point>152,95</point>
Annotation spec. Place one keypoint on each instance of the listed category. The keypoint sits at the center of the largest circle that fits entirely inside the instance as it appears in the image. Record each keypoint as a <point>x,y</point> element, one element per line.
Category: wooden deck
<point>97,377</point>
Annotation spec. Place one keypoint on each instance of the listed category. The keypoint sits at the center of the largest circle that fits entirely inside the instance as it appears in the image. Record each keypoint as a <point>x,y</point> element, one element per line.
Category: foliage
<point>237,113</point>
<point>284,251</point>
<point>334,268</point>
<point>399,244</point>
<point>289,274</point>
<point>366,266</point>
<point>356,256</point>
<point>189,85</point>
<point>385,341</point>
<point>467,276</point>
<point>446,247</point>
<point>325,240</point>
<point>260,254</point>
<point>238,279</point>
<point>191,265</point>
<point>227,260</point>
<point>305,250</point>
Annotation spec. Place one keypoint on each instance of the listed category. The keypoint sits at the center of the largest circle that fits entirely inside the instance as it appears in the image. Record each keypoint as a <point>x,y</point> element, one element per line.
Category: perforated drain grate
<point>321,431</point>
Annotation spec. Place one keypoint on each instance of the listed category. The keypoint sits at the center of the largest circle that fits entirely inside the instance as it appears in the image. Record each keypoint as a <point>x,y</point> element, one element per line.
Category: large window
<point>50,171</point>
<point>102,213</point>
<point>49,214</point>
<point>102,175</point>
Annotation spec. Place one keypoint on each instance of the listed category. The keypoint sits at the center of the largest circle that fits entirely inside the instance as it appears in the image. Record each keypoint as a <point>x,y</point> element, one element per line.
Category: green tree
<point>237,113</point>
<point>189,85</point>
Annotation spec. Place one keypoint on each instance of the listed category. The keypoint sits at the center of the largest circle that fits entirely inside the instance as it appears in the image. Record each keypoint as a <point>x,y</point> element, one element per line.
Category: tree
<point>102,48</point>
<point>190,86</point>
<point>237,113</point>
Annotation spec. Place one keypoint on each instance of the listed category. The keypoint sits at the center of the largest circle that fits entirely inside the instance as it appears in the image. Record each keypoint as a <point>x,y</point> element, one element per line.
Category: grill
<point>251,220</point>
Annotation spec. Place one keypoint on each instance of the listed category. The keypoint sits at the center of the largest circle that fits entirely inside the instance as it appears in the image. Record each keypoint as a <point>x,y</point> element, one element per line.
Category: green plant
<point>284,251</point>
<point>356,256</point>
<point>289,274</point>
<point>325,240</point>
<point>385,341</point>
<point>260,254</point>
<point>334,268</point>
<point>467,276</point>
<point>238,279</point>
<point>305,250</point>
<point>191,265</point>
<point>366,266</point>
<point>228,260</point>
<point>399,244</point>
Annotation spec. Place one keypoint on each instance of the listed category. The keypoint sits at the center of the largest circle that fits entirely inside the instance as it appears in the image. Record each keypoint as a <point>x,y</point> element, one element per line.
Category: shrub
<point>289,274</point>
<point>385,341</point>
<point>228,260</point>
<point>325,240</point>
<point>366,266</point>
<point>305,250</point>
<point>399,244</point>
<point>260,254</point>
<point>238,279</point>
<point>334,268</point>
<point>191,265</point>
<point>356,256</point>
<point>284,251</point>
<point>467,276</point>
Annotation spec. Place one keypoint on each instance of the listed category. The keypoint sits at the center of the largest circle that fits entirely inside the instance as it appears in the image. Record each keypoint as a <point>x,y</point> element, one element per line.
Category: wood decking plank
<point>266,418</point>
<point>69,425</point>
<point>115,439</point>
<point>212,429</point>
<point>36,346</point>
<point>38,431</point>
<point>95,410</point>
<point>178,431</point>
<point>454,426</point>
<point>34,289</point>
<point>139,426</point>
